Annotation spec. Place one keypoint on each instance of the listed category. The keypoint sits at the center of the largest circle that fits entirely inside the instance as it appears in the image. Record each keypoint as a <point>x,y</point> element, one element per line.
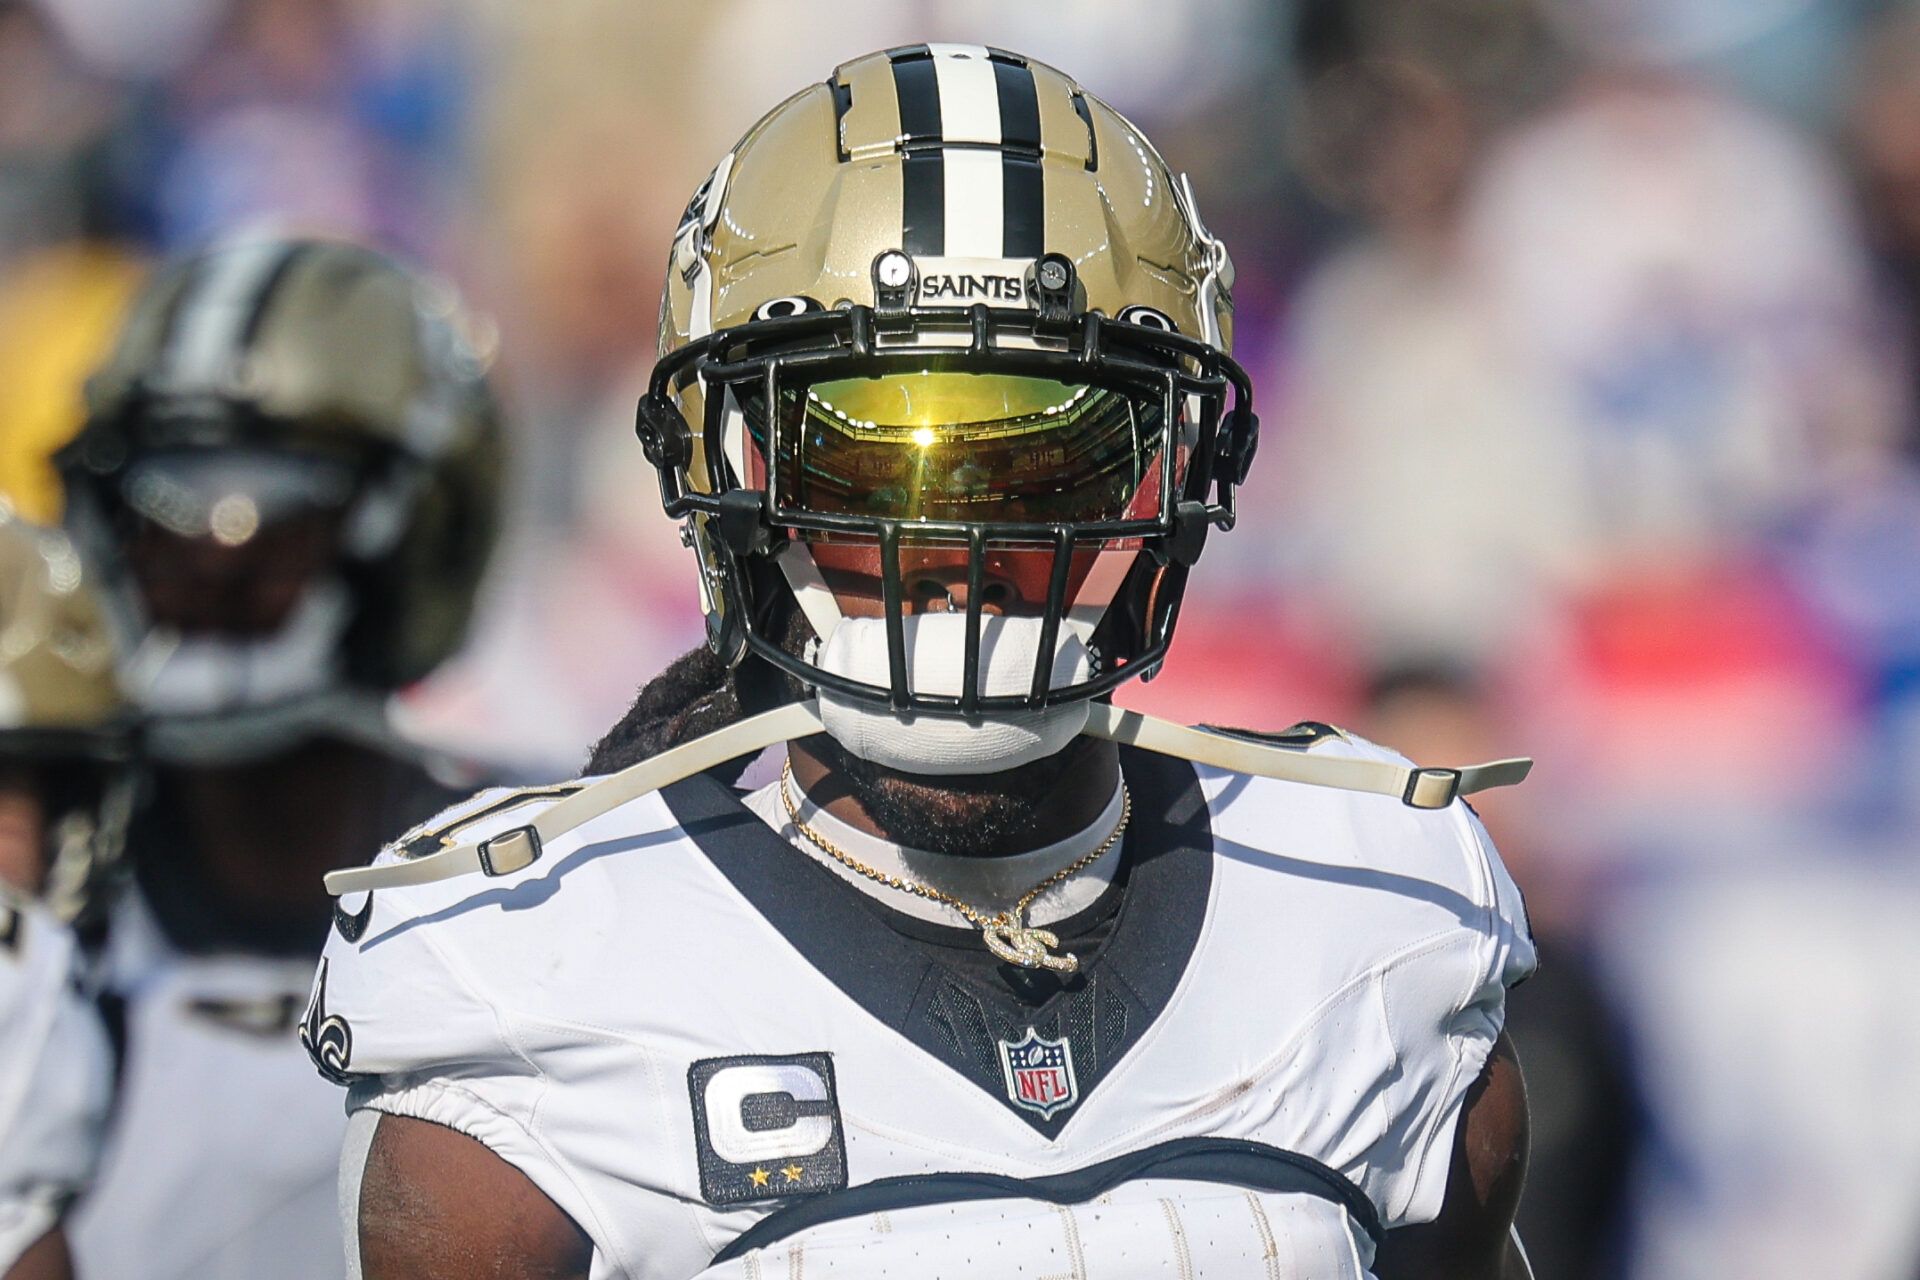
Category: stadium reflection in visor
<point>983,448</point>
<point>926,445</point>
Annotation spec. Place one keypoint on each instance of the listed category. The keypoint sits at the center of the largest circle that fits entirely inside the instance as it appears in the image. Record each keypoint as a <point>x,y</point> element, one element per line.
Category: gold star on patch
<point>759,1177</point>
<point>793,1172</point>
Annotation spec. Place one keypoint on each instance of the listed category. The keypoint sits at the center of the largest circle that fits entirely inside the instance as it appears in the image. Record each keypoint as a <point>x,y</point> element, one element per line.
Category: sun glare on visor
<point>923,445</point>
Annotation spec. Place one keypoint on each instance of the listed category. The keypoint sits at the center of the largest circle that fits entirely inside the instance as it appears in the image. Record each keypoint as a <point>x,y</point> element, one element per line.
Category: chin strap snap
<point>520,847</point>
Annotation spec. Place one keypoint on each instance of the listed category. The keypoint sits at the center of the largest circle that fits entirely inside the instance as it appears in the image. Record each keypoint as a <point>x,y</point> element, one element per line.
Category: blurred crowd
<point>1587,339</point>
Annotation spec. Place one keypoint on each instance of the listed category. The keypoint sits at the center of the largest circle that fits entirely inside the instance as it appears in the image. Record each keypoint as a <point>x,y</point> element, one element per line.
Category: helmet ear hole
<point>781,308</point>
<point>1148,318</point>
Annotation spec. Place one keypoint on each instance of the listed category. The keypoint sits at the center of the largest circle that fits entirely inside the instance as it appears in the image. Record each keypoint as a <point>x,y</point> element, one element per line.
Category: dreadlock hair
<point>700,693</point>
<point>694,696</point>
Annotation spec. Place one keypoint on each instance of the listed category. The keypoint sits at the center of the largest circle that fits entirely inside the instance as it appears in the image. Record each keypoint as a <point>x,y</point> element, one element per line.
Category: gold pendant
<point>1026,946</point>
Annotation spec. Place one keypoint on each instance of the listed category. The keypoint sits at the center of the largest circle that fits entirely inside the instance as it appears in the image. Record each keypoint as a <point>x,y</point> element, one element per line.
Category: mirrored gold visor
<point>985,447</point>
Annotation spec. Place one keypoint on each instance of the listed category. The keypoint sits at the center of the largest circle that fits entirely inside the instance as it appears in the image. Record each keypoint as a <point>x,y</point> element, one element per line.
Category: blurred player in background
<point>290,473</point>
<point>66,782</point>
<point>67,777</point>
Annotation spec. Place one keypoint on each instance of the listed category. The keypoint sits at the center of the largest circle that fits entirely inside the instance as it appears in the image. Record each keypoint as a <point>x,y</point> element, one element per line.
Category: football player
<point>67,775</point>
<point>988,981</point>
<point>66,782</point>
<point>290,477</point>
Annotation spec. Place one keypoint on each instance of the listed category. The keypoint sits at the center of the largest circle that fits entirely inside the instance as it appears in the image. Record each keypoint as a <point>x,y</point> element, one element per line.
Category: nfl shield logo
<point>1039,1074</point>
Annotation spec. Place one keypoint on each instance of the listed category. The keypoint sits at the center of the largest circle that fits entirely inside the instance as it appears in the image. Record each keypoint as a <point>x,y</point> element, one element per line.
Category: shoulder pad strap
<point>1421,788</point>
<point>1305,734</point>
<point>520,847</point>
<point>435,834</point>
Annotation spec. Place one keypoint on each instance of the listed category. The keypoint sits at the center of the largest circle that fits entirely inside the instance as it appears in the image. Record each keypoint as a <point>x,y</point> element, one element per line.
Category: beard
<point>976,815</point>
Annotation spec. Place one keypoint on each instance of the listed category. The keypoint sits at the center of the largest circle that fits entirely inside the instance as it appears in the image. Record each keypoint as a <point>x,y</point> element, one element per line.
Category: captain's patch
<point>767,1126</point>
<point>1039,1073</point>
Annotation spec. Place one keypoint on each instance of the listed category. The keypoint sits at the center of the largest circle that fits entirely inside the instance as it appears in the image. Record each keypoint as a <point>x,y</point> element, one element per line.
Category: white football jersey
<point>721,1059</point>
<point>56,1072</point>
<point>216,1097</point>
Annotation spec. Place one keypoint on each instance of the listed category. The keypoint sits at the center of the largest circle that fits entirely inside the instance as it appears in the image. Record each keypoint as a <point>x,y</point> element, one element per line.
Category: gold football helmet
<point>948,323</point>
<point>291,471</point>
<point>65,732</point>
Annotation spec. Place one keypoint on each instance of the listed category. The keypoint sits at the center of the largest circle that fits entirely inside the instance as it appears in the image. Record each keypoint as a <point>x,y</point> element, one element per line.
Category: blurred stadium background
<point>1588,339</point>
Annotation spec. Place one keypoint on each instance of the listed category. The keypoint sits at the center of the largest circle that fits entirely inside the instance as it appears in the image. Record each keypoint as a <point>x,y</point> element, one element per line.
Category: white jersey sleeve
<point>1424,1007</point>
<point>1438,936</point>
<point>396,1017</point>
<point>1469,1025</point>
<point>55,1077</point>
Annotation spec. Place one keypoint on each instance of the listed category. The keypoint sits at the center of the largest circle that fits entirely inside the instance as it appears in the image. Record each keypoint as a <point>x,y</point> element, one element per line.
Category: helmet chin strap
<point>521,847</point>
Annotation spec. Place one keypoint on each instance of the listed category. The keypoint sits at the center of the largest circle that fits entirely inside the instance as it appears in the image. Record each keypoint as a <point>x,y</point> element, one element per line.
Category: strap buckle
<point>1431,788</point>
<point>510,851</point>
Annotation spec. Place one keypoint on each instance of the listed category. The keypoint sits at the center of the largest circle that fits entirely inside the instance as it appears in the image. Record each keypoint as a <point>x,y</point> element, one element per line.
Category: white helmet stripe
<point>975,211</point>
<point>969,102</point>
<point>969,113</point>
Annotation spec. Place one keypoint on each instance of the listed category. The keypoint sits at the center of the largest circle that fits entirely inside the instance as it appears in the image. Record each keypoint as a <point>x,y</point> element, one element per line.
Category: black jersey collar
<point>1120,991</point>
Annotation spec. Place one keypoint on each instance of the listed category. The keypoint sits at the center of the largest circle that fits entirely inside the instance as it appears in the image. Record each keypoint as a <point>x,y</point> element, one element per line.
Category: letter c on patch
<point>731,1088</point>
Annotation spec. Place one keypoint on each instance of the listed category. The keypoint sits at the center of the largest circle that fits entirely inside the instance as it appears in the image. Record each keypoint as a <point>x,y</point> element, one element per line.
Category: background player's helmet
<point>948,320</point>
<point>292,472</point>
<point>66,734</point>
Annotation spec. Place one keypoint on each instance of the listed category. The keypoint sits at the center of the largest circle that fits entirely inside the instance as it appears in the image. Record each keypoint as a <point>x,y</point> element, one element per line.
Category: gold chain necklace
<point>1006,933</point>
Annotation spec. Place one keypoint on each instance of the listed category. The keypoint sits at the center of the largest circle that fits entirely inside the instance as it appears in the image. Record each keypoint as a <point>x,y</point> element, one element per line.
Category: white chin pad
<point>936,646</point>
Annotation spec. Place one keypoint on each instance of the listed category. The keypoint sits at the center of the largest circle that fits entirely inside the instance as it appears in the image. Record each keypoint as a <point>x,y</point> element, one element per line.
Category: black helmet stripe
<point>219,313</point>
<point>924,167</point>
<point>970,138</point>
<point>268,291</point>
<point>1022,190</point>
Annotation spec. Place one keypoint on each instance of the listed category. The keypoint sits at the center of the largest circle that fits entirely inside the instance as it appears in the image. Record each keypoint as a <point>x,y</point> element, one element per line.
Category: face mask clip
<point>896,281</point>
<point>1190,524</point>
<point>1053,287</point>
<point>1237,449</point>
<point>744,523</point>
<point>663,432</point>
